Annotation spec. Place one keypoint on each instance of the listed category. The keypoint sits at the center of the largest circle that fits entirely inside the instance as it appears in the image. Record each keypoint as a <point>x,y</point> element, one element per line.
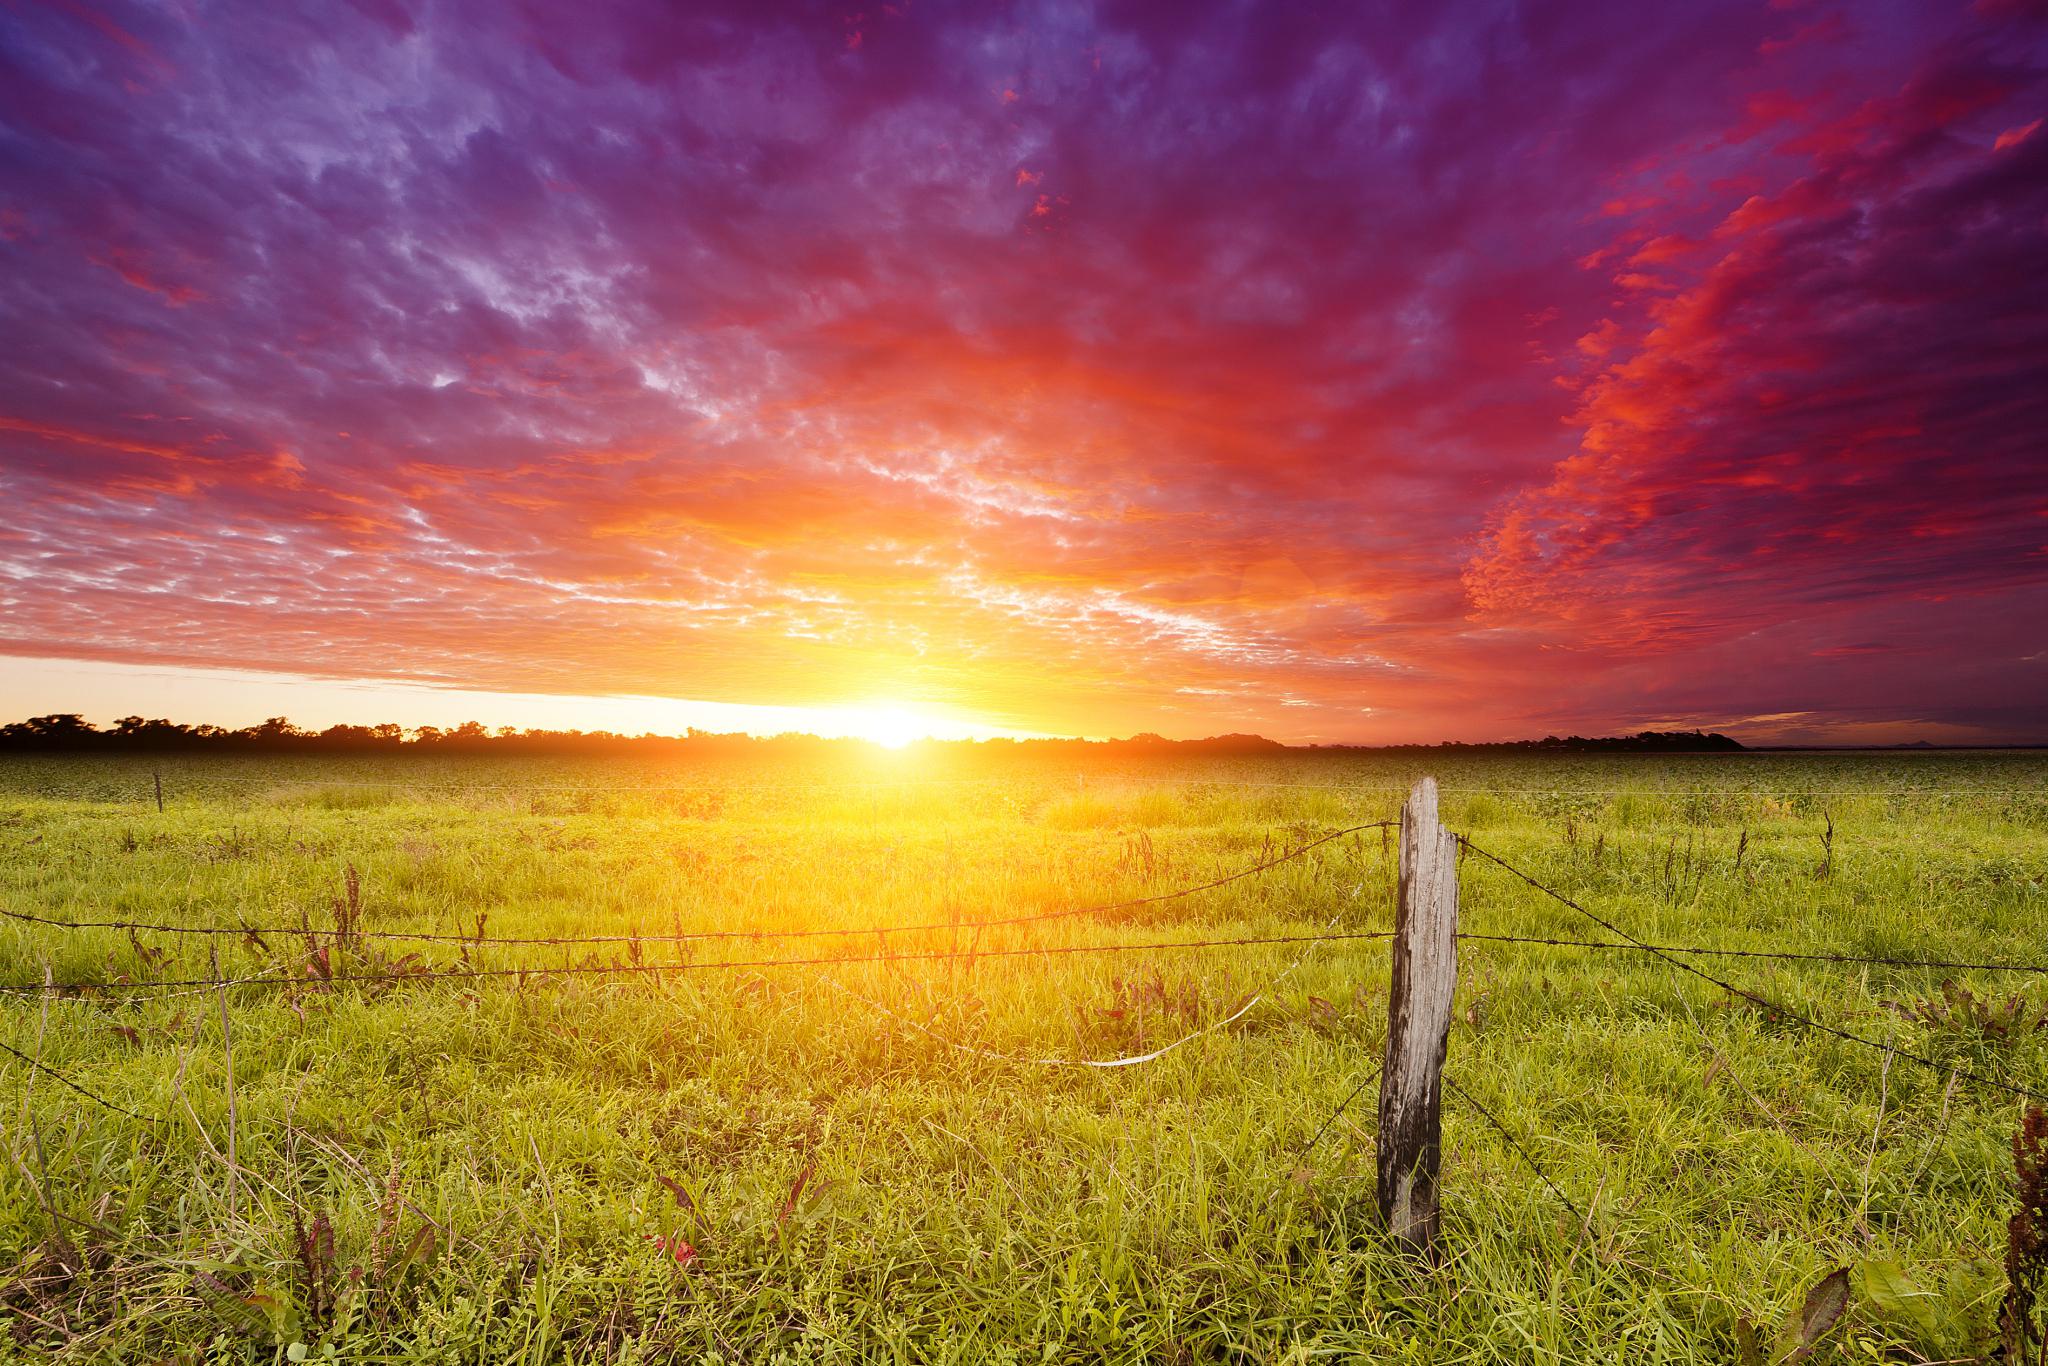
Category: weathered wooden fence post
<point>1418,1022</point>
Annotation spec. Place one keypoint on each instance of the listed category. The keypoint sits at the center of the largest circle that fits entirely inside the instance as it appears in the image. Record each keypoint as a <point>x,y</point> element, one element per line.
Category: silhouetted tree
<point>71,731</point>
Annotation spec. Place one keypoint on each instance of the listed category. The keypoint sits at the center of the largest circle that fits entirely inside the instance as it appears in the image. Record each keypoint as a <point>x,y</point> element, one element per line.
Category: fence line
<point>2011,1088</point>
<point>685,965</point>
<point>407,971</point>
<point>172,988</point>
<point>1671,954</point>
<point>479,941</point>
<point>882,931</point>
<point>148,991</point>
<point>1308,941</point>
<point>1782,956</point>
<point>570,941</point>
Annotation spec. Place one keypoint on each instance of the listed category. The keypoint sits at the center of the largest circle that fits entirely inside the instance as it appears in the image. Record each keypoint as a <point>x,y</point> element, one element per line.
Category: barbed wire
<point>477,974</point>
<point>1342,1105</point>
<point>200,986</point>
<point>221,984</point>
<point>1778,955</point>
<point>1519,1151</point>
<point>65,1081</point>
<point>1783,1011</point>
<point>882,931</point>
<point>168,989</point>
<point>688,936</point>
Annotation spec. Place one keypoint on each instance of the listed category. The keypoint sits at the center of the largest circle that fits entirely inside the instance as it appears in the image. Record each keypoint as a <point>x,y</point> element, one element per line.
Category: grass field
<point>797,1164</point>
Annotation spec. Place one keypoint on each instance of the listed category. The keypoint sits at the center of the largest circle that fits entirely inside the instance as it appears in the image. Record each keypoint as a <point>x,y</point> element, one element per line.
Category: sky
<point>1355,372</point>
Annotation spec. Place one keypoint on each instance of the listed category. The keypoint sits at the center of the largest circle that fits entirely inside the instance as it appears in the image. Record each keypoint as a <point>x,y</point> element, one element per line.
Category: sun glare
<point>888,726</point>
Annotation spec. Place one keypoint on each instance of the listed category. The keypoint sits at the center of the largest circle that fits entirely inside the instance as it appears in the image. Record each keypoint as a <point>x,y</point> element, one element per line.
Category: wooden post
<point>1418,1023</point>
<point>159,792</point>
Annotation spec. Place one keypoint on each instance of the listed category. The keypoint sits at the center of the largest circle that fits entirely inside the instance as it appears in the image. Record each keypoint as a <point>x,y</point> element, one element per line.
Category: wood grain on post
<point>1418,1022</point>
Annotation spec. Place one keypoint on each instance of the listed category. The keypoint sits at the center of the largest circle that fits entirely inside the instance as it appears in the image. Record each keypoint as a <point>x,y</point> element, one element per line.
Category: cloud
<point>1841,404</point>
<point>1089,368</point>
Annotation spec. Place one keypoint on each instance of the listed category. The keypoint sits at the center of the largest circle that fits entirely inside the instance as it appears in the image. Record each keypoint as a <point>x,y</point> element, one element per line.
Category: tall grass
<point>607,1168</point>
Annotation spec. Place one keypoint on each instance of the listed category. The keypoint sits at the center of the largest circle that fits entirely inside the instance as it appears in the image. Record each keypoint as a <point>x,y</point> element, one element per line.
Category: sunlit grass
<point>961,1207</point>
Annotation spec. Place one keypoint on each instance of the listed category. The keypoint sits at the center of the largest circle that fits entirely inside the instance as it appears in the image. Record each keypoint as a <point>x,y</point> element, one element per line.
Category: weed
<point>1958,1009</point>
<point>2026,1250</point>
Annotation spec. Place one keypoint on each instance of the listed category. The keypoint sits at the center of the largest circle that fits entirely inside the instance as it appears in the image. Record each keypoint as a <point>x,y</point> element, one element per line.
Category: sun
<point>891,727</point>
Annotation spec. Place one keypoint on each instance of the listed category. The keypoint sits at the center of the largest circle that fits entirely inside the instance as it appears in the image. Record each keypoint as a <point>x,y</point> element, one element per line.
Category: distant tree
<point>346,737</point>
<point>70,730</point>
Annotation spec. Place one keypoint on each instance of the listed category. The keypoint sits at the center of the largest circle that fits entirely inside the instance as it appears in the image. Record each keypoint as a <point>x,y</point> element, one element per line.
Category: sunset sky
<point>1359,372</point>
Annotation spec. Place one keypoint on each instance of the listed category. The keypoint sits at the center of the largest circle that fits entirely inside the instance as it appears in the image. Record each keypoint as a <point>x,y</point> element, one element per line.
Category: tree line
<point>70,731</point>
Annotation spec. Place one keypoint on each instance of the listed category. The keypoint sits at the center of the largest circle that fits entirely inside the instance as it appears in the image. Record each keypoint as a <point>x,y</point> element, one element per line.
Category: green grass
<point>961,1207</point>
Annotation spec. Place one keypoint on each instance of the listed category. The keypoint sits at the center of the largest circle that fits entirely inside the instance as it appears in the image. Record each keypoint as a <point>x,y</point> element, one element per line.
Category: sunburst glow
<point>891,727</point>
<point>1077,369</point>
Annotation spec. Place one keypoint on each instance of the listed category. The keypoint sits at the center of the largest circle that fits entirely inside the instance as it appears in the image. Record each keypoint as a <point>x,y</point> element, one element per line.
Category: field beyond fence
<point>389,1059</point>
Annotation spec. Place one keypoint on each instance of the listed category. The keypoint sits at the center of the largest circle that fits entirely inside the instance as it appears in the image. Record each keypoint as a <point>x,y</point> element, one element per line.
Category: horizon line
<point>73,729</point>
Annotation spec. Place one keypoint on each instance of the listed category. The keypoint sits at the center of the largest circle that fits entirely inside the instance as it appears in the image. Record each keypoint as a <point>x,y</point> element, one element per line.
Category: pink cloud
<point>710,351</point>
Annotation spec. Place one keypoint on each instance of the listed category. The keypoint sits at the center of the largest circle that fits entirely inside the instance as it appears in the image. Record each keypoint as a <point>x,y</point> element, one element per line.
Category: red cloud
<point>2013,137</point>
<point>678,351</point>
<point>1826,411</point>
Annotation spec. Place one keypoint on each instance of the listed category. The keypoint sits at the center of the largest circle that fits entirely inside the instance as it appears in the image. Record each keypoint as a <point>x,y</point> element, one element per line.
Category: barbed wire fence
<point>1414,1159</point>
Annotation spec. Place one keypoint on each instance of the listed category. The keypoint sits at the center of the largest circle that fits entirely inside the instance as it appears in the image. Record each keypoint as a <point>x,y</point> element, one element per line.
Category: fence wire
<point>99,992</point>
<point>1776,1008</point>
<point>656,970</point>
<point>62,1080</point>
<point>1780,955</point>
<point>571,941</point>
<point>1516,1145</point>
